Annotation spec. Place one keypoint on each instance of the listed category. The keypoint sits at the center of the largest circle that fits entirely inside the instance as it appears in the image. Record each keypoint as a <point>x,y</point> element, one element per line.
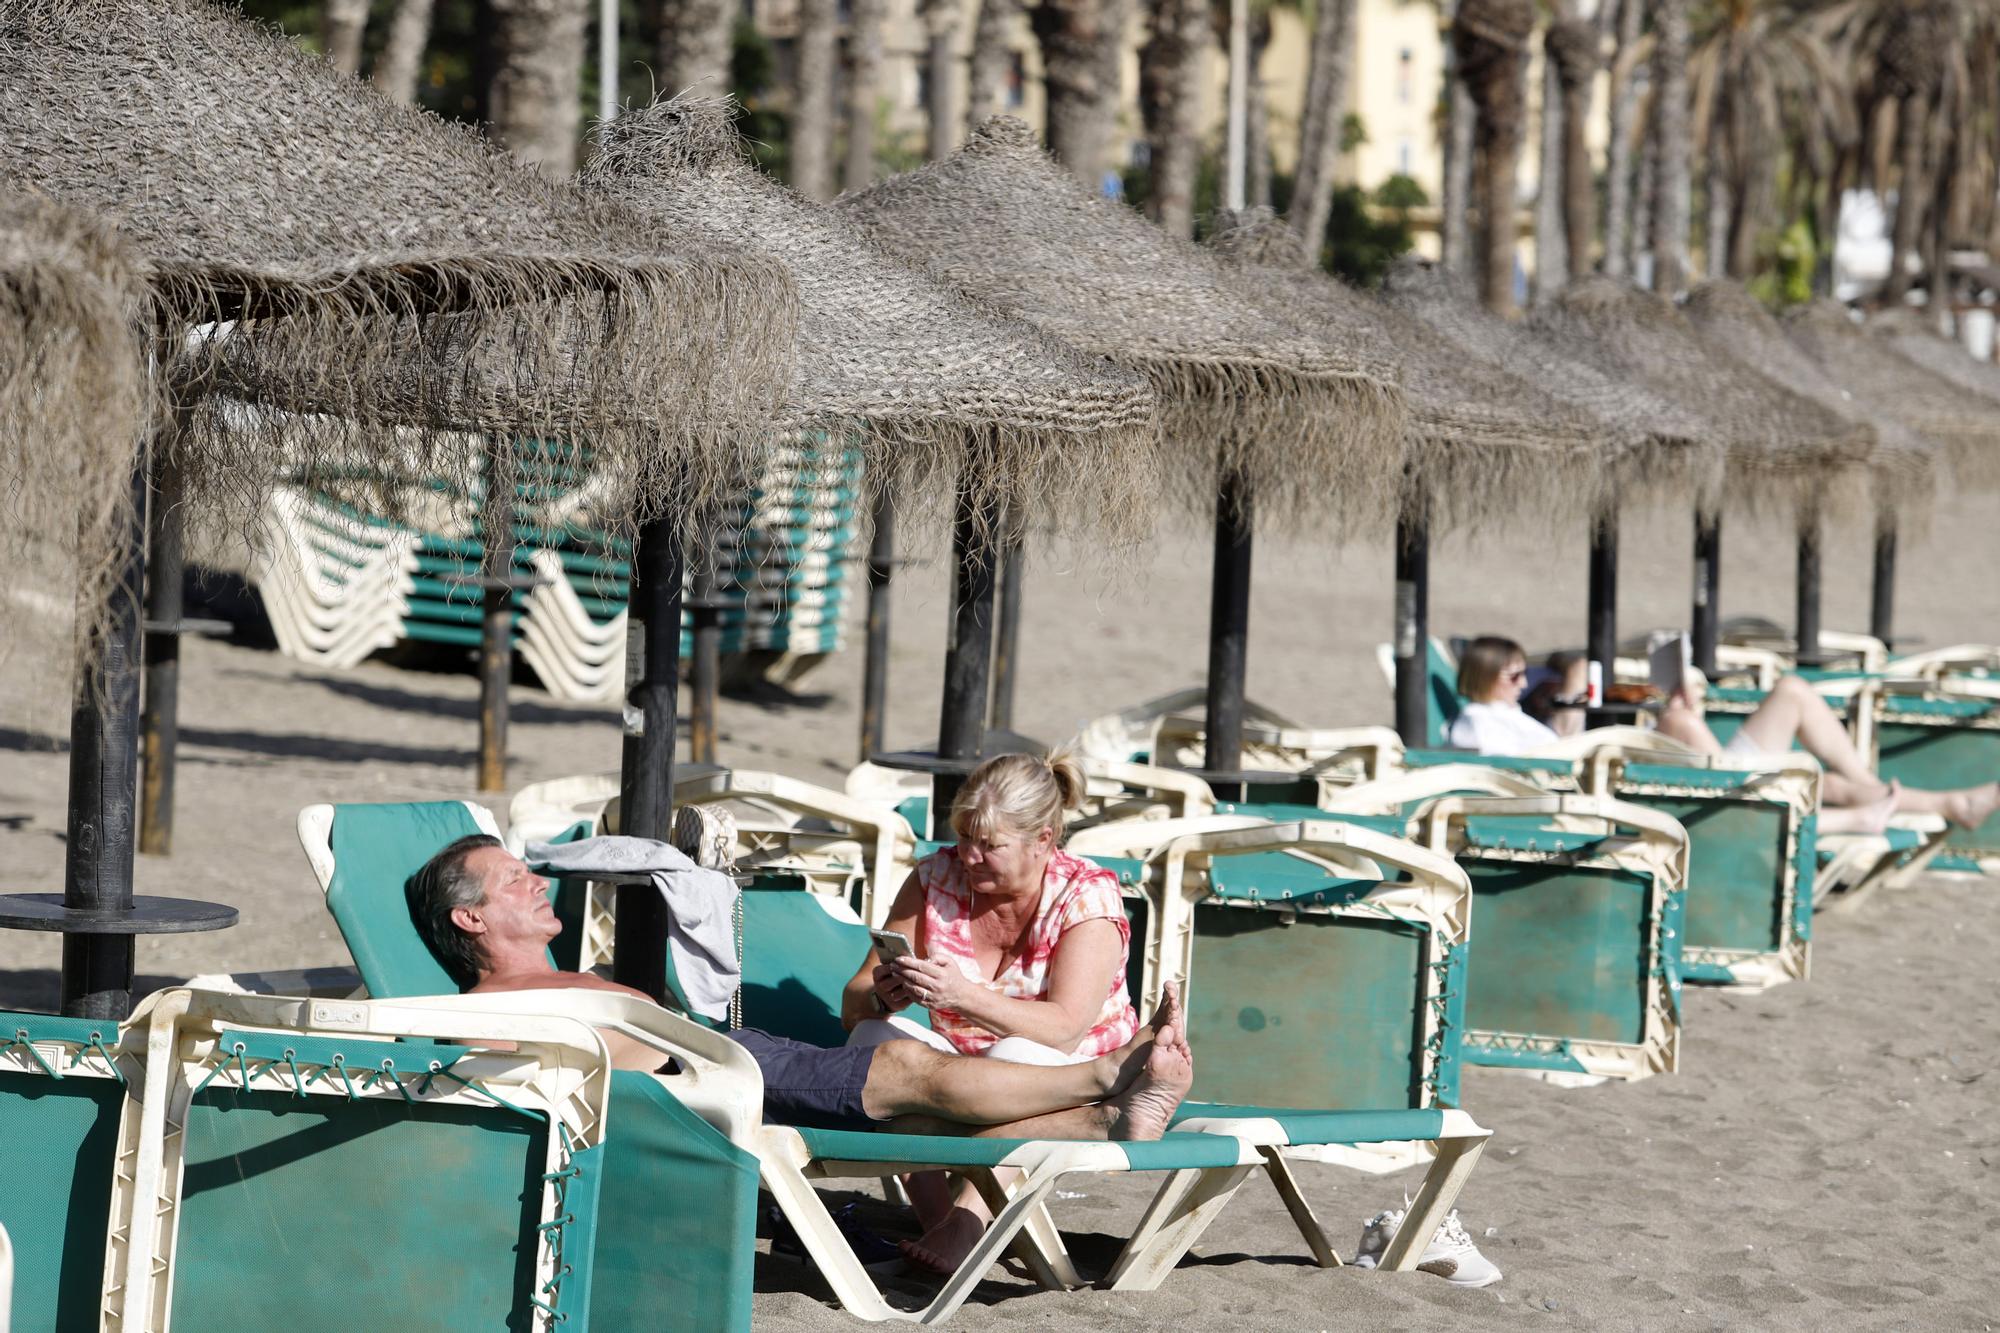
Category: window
<point>1406,61</point>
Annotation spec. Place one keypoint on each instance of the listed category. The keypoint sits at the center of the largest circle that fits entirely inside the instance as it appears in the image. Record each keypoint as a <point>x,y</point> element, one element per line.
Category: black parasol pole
<point>1601,635</point>
<point>1807,622</point>
<point>1707,618</point>
<point>969,652</point>
<point>1007,632</point>
<point>1413,614</point>
<point>1882,606</point>
<point>704,611</point>
<point>1228,626</point>
<point>881,577</point>
<point>646,779</point>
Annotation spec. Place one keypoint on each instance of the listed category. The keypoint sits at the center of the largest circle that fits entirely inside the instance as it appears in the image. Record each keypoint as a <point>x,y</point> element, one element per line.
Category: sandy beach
<point>1826,1159</point>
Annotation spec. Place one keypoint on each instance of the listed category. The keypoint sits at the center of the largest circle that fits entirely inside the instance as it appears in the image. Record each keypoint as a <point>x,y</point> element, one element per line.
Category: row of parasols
<point>228,266</point>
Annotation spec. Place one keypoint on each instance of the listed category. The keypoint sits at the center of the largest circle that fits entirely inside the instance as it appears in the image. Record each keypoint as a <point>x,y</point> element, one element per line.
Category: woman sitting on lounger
<point>1493,675</point>
<point>1020,956</point>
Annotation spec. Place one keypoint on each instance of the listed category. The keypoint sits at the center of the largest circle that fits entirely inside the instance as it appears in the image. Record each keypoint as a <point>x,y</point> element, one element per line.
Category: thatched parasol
<point>387,269</point>
<point>73,399</point>
<point>931,384</point>
<point>1479,444</point>
<point>1651,446</point>
<point>1910,334</point>
<point>1309,426</point>
<point>1959,418</point>
<point>1902,464</point>
<point>1781,447</point>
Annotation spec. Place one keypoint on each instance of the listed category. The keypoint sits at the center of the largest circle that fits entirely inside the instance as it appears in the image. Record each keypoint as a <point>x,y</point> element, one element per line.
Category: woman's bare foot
<point>943,1248</point>
<point>1874,816</point>
<point>1117,1069</point>
<point>1970,806</point>
<point>1146,1107</point>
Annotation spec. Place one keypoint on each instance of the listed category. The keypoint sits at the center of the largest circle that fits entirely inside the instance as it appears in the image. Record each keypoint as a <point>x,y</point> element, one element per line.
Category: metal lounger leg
<point>1455,1159</point>
<point>1179,1213</point>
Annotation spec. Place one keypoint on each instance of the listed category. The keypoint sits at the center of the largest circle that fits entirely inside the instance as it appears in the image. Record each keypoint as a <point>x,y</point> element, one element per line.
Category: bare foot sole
<point>1129,1060</point>
<point>1969,808</point>
<point>1146,1107</point>
<point>943,1248</point>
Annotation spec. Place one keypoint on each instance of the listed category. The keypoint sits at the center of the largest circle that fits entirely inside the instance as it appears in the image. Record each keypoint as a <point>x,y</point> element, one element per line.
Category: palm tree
<point>342,24</point>
<point>534,103</point>
<point>1628,66</point>
<point>1765,84</point>
<point>865,20</point>
<point>691,43</point>
<point>1551,242</point>
<point>1573,47</point>
<point>1490,38</point>
<point>1328,76</point>
<point>402,57</point>
<point>992,59</point>
<point>1080,50</point>
<point>940,19</point>
<point>1171,65</point>
<point>1672,193</point>
<point>812,100</point>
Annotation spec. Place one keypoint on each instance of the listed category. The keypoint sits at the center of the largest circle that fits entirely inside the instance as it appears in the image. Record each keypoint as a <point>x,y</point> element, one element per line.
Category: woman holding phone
<point>1018,951</point>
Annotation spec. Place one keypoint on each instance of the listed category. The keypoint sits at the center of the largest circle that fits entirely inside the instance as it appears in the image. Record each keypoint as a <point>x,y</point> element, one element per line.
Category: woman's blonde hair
<point>1019,794</point>
<point>1481,665</point>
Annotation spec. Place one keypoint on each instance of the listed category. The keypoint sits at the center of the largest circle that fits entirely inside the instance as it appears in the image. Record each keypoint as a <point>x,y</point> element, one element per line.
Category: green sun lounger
<point>62,1081</point>
<point>1942,742</point>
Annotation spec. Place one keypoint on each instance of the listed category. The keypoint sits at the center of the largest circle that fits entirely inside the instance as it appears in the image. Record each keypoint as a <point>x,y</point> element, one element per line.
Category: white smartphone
<point>892,944</point>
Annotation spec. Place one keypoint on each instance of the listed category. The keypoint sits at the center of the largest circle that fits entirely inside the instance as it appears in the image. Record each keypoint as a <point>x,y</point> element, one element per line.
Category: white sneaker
<point>1451,1254</point>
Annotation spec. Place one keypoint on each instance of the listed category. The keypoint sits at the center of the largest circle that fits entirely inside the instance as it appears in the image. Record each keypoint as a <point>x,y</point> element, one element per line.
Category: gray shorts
<point>812,1087</point>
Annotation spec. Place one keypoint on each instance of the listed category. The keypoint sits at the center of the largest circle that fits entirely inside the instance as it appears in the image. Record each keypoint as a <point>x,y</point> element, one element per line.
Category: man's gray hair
<point>446,882</point>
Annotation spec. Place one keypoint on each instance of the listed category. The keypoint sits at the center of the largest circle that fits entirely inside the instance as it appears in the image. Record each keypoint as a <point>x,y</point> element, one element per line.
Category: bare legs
<point>1855,800</point>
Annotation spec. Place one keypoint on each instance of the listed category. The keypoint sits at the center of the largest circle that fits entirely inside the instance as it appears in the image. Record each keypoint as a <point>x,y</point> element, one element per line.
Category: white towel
<point>701,905</point>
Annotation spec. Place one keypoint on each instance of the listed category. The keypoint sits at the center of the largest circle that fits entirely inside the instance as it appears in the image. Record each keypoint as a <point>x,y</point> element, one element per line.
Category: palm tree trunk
<point>1618,165</point>
<point>1461,124</point>
<point>535,98</point>
<point>865,19</point>
<point>342,24</point>
<point>1574,45</point>
<point>992,59</point>
<point>812,101</point>
<point>1640,240</point>
<point>1328,78</point>
<point>1551,246</point>
<point>1492,41</point>
<point>1715,241</point>
<point>1074,36</point>
<point>1257,130</point>
<point>1672,189</point>
<point>940,18</point>
<point>1910,191</point>
<point>691,43</point>
<point>402,57</point>
<point>1170,88</point>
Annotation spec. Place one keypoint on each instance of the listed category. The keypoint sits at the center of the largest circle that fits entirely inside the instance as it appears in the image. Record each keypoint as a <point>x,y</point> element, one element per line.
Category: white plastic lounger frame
<point>720,1082</point>
<point>6,1281</point>
<point>1659,852</point>
<point>1861,863</point>
<point>557,1066</point>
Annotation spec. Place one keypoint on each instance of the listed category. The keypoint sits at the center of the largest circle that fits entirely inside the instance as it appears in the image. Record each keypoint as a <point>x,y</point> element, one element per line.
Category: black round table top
<point>148,916</point>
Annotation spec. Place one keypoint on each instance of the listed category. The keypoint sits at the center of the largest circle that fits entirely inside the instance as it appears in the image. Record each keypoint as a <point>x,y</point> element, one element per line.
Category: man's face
<point>517,910</point>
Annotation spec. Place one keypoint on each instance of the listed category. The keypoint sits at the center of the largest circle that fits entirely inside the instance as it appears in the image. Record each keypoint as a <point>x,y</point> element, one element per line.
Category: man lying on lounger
<point>487,918</point>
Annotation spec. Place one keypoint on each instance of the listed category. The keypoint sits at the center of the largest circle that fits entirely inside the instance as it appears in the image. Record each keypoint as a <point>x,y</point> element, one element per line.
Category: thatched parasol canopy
<point>1782,448</point>
<point>1649,444</point>
<point>1911,336</point>
<point>931,383</point>
<point>1311,430</point>
<point>73,396</point>
<point>1961,420</point>
<point>381,267</point>
<point>1903,462</point>
<point>1481,444</point>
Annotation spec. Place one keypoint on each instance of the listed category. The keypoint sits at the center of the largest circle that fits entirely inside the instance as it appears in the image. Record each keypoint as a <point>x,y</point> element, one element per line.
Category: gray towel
<point>701,904</point>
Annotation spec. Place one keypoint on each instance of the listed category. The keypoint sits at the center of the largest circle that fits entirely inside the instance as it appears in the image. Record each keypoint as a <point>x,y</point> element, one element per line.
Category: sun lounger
<point>1852,866</point>
<point>62,1081</point>
<point>1939,740</point>
<point>269,1129</point>
<point>796,947</point>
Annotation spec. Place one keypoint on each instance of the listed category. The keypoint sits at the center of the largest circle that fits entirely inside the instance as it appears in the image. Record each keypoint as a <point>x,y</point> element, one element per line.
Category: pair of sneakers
<point>1451,1254</point>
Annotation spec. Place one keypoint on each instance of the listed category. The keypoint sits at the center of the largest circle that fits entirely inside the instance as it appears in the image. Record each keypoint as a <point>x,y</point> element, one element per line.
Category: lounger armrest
<point>1188,795</point>
<point>1436,821</point>
<point>1389,795</point>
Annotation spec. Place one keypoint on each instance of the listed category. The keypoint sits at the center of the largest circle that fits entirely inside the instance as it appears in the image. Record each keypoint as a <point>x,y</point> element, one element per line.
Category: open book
<point>1670,657</point>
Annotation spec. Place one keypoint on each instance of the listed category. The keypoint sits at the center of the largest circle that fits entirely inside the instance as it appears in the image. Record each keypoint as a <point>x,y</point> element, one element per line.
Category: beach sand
<point>1826,1158</point>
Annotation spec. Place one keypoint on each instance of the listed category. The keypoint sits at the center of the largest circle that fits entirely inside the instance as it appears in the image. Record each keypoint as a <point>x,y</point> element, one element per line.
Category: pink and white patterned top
<point>1073,891</point>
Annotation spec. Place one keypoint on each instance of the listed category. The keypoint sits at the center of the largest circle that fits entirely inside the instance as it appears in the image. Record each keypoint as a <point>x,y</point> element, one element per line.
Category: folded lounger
<point>369,851</point>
